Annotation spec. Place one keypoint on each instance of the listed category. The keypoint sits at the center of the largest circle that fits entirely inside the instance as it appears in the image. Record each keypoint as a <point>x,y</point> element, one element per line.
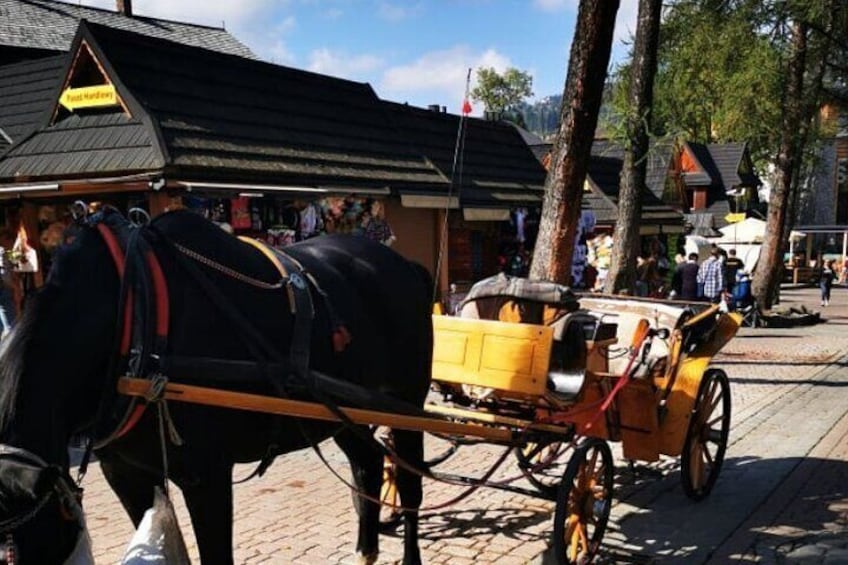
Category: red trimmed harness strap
<point>160,294</point>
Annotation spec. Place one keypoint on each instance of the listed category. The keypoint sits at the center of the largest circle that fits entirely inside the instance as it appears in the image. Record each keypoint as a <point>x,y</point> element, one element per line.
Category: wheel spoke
<point>708,457</point>
<point>715,420</point>
<point>696,471</point>
<point>714,404</point>
<point>587,471</point>
<point>572,537</point>
<point>712,389</point>
<point>583,535</point>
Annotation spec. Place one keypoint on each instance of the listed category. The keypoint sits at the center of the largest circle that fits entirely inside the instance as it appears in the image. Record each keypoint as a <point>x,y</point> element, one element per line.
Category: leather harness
<point>141,349</point>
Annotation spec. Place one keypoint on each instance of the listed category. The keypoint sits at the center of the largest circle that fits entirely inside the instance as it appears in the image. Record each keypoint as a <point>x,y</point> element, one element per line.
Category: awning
<point>439,202</point>
<point>272,188</point>
<point>485,214</point>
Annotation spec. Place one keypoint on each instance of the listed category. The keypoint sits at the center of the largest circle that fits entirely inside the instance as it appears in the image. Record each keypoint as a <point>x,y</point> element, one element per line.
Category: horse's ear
<point>79,212</point>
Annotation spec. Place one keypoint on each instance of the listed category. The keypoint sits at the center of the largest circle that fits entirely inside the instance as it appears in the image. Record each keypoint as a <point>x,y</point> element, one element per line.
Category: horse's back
<point>382,298</point>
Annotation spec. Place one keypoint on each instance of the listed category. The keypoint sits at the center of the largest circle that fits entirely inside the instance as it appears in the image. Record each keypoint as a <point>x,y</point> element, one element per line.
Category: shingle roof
<point>720,163</point>
<point>604,174</point>
<point>47,24</point>
<point>106,143</point>
<point>497,166</point>
<point>709,174</point>
<point>728,160</point>
<point>225,117</point>
<point>26,89</point>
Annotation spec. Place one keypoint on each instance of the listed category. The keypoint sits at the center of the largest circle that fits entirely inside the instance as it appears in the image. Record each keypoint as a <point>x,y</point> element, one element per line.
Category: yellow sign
<point>733,218</point>
<point>89,97</point>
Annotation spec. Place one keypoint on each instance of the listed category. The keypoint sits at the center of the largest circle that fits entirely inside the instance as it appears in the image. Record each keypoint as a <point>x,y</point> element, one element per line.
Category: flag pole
<point>455,181</point>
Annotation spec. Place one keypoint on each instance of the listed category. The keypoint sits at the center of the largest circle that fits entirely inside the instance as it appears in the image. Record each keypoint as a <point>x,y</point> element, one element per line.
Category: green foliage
<point>502,93</point>
<point>542,117</point>
<point>719,77</point>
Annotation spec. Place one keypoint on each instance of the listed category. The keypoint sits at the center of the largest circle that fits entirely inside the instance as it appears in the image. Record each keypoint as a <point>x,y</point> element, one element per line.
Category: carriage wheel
<point>583,503</point>
<point>706,438</point>
<point>542,464</point>
<point>390,513</point>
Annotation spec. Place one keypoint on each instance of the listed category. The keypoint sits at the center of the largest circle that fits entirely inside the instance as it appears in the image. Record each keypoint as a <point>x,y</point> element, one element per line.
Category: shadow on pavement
<point>770,506</point>
<point>468,523</point>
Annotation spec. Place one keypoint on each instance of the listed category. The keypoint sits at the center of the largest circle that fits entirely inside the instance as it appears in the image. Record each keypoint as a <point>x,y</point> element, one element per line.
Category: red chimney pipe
<point>125,7</point>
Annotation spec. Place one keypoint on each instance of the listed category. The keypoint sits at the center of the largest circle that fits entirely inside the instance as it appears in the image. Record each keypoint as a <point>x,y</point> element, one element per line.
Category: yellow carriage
<point>572,373</point>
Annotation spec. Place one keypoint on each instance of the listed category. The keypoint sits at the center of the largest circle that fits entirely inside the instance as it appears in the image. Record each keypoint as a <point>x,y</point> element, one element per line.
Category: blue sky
<point>409,51</point>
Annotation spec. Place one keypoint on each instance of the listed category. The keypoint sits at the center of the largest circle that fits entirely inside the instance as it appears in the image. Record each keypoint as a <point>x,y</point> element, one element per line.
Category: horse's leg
<point>366,464</point>
<point>134,486</point>
<point>209,499</point>
<point>409,447</point>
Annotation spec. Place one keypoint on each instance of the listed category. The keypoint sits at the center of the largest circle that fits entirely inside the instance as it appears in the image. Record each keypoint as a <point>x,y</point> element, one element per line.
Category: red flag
<point>466,107</point>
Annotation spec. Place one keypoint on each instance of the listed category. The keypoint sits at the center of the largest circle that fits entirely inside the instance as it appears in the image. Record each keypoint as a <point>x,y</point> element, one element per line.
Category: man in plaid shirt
<point>711,275</point>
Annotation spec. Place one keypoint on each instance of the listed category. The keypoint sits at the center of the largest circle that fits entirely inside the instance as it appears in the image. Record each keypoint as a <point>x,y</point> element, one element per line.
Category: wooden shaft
<point>301,409</point>
<point>488,418</point>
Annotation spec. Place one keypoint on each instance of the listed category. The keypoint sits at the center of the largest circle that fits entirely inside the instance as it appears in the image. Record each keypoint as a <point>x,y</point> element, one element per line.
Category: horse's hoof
<point>370,559</point>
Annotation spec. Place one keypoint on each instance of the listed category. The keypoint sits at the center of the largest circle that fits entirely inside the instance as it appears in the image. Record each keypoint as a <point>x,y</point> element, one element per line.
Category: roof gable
<point>117,138</point>
<point>702,171</point>
<point>733,164</point>
<point>51,25</point>
<point>604,174</point>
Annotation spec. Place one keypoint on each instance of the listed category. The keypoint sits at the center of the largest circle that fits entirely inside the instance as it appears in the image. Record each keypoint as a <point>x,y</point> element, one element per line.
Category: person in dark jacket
<point>685,279</point>
<point>826,282</point>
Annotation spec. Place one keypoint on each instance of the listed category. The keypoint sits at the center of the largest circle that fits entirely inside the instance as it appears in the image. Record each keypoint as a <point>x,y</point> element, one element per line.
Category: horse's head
<point>41,519</point>
<point>52,374</point>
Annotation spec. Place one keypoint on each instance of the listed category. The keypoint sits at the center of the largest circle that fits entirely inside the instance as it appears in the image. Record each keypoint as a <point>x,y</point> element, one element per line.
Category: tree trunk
<point>770,264</point>
<point>809,114</point>
<point>581,101</point>
<point>625,246</point>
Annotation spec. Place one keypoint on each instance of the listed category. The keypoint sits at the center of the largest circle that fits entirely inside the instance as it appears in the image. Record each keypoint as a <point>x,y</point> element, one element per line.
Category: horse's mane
<point>11,359</point>
<point>12,348</point>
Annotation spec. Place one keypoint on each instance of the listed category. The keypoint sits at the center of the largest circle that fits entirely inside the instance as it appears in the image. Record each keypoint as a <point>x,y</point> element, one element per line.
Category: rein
<point>140,346</point>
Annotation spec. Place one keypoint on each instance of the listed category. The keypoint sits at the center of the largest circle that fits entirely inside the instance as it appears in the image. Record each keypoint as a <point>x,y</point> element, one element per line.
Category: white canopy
<point>750,230</point>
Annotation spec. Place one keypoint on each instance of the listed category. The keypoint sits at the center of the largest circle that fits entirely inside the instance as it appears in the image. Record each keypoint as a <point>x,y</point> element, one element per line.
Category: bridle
<point>60,486</point>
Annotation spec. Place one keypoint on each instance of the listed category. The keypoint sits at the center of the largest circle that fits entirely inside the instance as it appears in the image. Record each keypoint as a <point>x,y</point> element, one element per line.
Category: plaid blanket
<point>503,285</point>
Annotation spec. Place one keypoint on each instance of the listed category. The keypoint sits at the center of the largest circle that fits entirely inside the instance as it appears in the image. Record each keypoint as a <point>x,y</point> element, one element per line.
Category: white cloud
<point>396,12</point>
<point>206,12</point>
<point>341,64</point>
<point>333,14</point>
<point>270,43</point>
<point>552,5</point>
<point>438,76</point>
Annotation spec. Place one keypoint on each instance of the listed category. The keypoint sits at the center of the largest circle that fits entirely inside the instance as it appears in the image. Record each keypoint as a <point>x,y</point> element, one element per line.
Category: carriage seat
<point>627,314</point>
<point>515,299</point>
<point>519,300</point>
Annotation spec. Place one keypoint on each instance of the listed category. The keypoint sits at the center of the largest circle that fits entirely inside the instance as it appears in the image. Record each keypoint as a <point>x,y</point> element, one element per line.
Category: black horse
<point>54,371</point>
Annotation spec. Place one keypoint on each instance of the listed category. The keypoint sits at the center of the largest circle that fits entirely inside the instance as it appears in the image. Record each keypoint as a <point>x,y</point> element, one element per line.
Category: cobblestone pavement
<point>782,495</point>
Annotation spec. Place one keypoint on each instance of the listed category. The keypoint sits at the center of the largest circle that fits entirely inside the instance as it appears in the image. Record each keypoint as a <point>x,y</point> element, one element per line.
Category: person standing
<point>731,268</point>
<point>826,282</point>
<point>685,279</point>
<point>711,275</point>
<point>7,301</point>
